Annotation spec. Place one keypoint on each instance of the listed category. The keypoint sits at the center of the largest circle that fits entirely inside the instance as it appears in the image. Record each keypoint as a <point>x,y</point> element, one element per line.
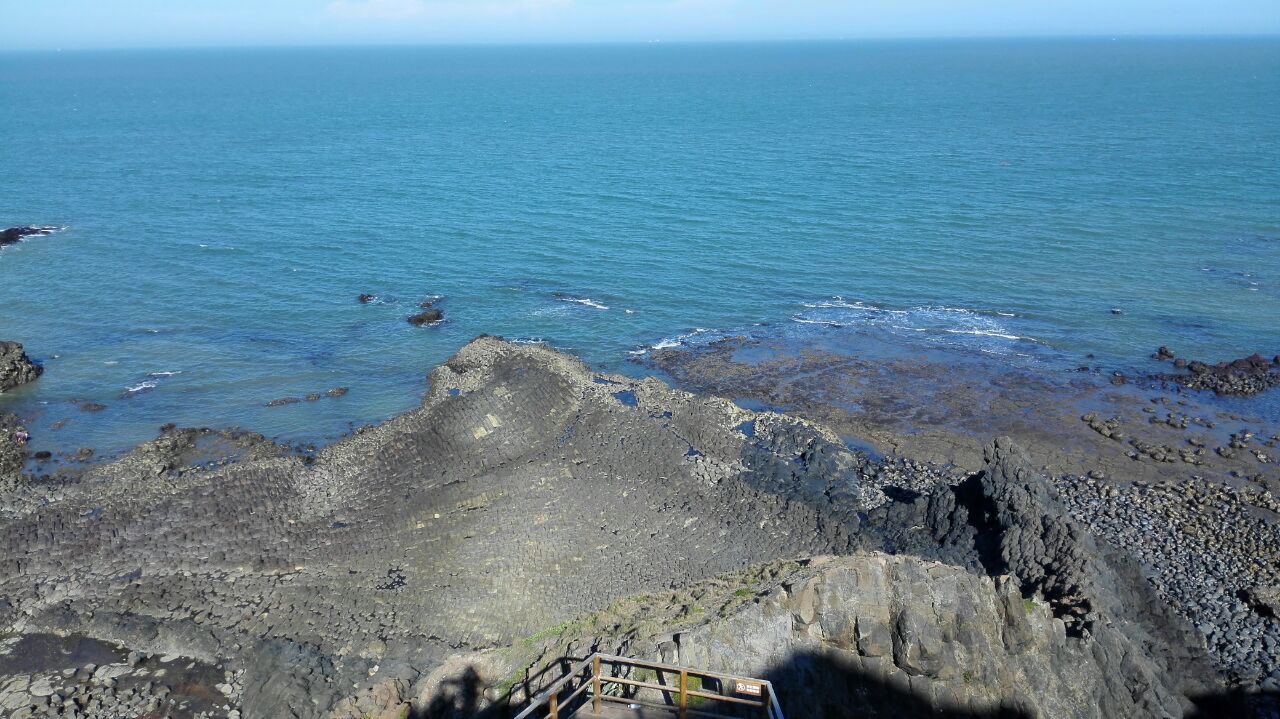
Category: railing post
<point>684,692</point>
<point>595,684</point>
<point>555,707</point>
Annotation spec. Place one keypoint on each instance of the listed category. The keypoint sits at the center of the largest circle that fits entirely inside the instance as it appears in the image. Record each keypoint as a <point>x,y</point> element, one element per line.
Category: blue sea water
<point>224,208</point>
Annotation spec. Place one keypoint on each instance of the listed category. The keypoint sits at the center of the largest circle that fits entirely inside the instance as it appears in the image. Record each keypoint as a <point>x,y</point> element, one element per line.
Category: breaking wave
<point>985,330</point>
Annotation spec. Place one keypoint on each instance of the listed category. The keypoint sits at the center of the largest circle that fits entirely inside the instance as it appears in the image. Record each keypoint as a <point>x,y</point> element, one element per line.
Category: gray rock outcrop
<point>525,492</point>
<point>528,493</point>
<point>16,367</point>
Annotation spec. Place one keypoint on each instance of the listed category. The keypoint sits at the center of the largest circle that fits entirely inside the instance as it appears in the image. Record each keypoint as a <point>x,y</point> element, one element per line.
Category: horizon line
<point>1270,35</point>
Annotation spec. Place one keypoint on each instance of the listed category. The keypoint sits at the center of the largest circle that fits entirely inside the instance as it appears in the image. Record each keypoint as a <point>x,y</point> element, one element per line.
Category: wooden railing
<point>563,697</point>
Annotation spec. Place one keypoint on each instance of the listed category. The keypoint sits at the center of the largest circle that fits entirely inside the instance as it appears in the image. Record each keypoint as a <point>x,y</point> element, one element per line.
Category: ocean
<point>223,209</point>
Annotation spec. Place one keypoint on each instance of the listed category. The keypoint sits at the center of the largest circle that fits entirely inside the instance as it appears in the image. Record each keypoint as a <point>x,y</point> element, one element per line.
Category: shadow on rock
<point>1246,705</point>
<point>817,686</point>
<point>459,698</point>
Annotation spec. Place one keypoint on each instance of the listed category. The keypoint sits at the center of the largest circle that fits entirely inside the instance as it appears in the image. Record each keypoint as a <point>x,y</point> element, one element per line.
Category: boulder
<point>15,367</point>
<point>1265,599</point>
<point>426,317</point>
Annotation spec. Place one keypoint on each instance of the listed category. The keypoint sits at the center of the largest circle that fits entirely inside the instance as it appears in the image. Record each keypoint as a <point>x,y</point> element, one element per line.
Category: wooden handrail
<point>545,696</point>
<point>550,697</point>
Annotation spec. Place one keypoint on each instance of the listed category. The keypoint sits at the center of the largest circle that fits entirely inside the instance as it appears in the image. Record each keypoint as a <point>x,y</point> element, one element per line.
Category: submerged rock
<point>16,367</point>
<point>426,317</point>
<point>283,401</point>
<point>13,235</point>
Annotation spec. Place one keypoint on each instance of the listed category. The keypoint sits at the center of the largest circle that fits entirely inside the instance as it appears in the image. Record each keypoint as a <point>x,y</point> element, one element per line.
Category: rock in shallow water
<point>16,367</point>
<point>1246,376</point>
<point>427,317</point>
<point>14,235</point>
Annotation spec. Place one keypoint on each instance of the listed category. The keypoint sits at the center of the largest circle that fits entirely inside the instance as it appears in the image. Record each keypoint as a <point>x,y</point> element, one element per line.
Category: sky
<point>79,24</point>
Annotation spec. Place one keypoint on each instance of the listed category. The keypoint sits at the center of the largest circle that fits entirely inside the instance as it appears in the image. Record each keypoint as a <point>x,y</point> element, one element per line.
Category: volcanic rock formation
<point>528,493</point>
<point>16,367</point>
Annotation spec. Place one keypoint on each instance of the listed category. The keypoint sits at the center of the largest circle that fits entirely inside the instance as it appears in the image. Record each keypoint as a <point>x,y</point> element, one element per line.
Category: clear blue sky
<point>147,23</point>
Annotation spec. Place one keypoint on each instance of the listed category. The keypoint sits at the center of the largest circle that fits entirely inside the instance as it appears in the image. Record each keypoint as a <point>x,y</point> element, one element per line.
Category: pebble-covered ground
<point>1210,550</point>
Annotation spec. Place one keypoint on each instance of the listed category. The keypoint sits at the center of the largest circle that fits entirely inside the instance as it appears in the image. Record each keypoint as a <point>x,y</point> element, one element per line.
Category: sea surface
<point>224,208</point>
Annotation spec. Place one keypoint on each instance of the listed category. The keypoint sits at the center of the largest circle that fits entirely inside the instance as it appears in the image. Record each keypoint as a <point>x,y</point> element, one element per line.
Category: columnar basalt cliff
<point>531,509</point>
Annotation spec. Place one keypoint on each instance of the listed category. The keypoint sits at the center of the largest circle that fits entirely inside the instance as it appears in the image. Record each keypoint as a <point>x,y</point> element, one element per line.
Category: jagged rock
<point>13,454</point>
<point>1264,599</point>
<point>931,640</point>
<point>1246,376</point>
<point>15,367</point>
<point>426,317</point>
<point>13,235</point>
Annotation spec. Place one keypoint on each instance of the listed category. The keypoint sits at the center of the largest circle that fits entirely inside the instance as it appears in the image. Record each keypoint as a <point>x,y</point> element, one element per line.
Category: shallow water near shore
<point>225,208</point>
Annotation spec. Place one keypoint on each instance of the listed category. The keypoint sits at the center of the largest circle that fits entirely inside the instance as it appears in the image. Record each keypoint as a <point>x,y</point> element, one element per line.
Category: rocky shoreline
<point>532,509</point>
<point>1245,377</point>
<point>16,368</point>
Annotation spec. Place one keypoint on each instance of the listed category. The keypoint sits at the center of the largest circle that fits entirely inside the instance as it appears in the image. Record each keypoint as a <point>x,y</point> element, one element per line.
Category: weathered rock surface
<point>523,493</point>
<point>16,367</point>
<point>901,637</point>
<point>528,492</point>
<point>867,634</point>
<point>13,455</point>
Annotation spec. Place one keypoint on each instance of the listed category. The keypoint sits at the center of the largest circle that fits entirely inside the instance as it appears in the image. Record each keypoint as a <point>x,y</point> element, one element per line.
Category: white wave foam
<point>669,342</point>
<point>938,320</point>
<point>584,301</point>
<point>163,374</point>
<point>984,333</point>
<point>144,386</point>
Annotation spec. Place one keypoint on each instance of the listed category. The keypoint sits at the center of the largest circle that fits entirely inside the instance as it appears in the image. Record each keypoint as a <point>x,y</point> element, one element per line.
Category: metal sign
<point>755,689</point>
